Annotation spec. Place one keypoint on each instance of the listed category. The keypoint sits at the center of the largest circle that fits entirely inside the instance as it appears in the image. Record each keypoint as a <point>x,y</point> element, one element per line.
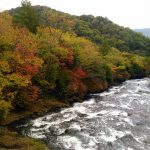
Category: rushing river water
<point>118,119</point>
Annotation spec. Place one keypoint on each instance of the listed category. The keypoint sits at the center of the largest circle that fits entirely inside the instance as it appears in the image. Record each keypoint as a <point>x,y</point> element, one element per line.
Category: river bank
<point>10,140</point>
<point>41,107</point>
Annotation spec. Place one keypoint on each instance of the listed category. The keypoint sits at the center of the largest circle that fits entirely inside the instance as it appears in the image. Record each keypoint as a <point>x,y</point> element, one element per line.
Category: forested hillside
<point>122,38</point>
<point>100,30</point>
<point>51,59</point>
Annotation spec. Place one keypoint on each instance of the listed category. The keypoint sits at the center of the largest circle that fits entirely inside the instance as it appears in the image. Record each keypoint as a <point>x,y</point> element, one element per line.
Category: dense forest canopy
<point>47,54</point>
<point>97,29</point>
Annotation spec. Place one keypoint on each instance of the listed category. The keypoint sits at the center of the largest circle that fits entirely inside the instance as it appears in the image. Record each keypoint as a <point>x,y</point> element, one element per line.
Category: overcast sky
<point>128,13</point>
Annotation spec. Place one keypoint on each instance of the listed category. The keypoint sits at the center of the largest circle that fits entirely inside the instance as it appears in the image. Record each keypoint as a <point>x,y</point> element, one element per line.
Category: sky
<point>134,14</point>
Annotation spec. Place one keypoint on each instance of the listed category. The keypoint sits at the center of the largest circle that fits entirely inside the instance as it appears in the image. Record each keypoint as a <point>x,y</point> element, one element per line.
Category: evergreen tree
<point>27,16</point>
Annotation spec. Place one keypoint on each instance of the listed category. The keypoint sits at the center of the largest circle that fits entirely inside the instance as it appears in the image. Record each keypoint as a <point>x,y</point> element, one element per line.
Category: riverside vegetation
<point>50,59</point>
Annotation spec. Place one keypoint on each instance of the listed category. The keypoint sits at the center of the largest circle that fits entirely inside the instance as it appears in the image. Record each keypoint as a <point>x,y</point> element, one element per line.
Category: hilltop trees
<point>27,16</point>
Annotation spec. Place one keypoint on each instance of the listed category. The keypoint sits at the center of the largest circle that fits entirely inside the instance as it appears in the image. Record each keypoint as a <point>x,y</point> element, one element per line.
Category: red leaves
<point>31,69</point>
<point>28,63</point>
<point>28,70</point>
<point>76,86</point>
<point>78,73</point>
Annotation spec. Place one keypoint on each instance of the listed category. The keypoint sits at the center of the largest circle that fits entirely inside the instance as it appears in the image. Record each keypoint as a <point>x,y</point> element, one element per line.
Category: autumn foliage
<point>44,62</point>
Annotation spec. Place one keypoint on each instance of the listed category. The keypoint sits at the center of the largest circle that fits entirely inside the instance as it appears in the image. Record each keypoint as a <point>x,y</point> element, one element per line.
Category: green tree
<point>108,73</point>
<point>105,48</point>
<point>27,16</point>
<point>62,85</point>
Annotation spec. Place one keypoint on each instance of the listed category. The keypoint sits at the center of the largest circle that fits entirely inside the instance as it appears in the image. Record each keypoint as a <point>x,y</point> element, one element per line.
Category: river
<point>118,119</point>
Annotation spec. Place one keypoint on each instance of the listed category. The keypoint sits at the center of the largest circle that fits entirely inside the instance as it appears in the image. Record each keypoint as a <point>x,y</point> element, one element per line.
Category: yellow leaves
<point>7,32</point>
<point>17,80</point>
<point>69,39</point>
<point>26,40</point>
<point>4,109</point>
<point>11,96</point>
<point>12,80</point>
<point>3,82</point>
<point>4,66</point>
<point>88,53</point>
<point>86,50</point>
<point>139,60</point>
<point>49,37</point>
<point>61,52</point>
<point>36,61</point>
<point>4,104</point>
<point>114,58</point>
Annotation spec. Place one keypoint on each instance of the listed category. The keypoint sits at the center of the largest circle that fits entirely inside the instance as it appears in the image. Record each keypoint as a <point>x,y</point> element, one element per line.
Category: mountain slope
<point>122,38</point>
<point>100,30</point>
